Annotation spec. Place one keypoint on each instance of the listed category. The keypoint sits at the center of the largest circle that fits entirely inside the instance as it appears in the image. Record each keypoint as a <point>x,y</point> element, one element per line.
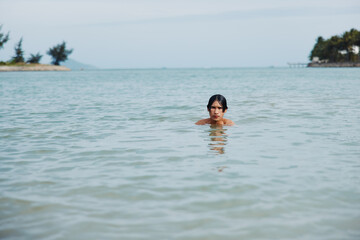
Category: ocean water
<point>115,154</point>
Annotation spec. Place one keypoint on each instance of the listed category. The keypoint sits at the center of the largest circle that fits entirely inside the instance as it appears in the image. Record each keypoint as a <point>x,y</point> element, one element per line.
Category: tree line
<point>58,53</point>
<point>338,48</point>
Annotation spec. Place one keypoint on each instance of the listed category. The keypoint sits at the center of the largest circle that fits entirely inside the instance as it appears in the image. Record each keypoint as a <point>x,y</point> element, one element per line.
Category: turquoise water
<point>115,154</point>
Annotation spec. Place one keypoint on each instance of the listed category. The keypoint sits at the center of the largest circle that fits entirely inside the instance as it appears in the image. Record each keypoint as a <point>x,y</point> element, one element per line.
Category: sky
<point>176,33</point>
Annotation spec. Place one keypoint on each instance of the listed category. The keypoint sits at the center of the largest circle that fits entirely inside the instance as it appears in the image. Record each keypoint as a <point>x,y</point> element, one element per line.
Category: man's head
<point>217,107</point>
<point>221,99</point>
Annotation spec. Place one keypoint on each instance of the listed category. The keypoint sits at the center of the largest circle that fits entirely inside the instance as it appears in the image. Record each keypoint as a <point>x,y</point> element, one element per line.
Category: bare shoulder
<point>228,122</point>
<point>203,121</point>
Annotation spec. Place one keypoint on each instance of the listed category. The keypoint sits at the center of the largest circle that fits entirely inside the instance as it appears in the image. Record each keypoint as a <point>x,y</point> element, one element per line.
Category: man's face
<point>216,111</point>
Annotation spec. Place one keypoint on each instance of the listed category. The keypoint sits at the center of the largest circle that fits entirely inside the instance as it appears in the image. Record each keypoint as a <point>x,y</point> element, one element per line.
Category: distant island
<point>76,65</point>
<point>337,51</point>
<point>333,65</point>
<point>32,67</point>
<point>69,65</point>
<point>58,53</point>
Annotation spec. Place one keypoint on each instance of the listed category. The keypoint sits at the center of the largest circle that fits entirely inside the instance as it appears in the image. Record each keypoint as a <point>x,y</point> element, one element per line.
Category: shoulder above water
<point>203,121</point>
<point>226,122</point>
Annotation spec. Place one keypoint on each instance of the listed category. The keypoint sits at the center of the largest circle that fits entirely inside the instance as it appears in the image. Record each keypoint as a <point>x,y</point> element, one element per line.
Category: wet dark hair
<point>221,99</point>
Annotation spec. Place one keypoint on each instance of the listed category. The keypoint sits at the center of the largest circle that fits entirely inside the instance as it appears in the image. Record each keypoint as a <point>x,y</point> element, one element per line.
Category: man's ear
<point>225,110</point>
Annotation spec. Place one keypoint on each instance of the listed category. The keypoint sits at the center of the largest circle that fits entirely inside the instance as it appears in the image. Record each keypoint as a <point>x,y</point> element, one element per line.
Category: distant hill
<point>75,65</point>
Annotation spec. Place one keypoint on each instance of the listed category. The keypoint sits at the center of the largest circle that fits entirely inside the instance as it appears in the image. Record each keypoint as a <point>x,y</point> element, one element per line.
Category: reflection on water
<point>218,139</point>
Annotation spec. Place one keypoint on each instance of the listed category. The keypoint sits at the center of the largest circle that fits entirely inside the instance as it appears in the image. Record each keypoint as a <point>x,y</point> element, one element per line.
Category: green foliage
<point>337,48</point>
<point>59,53</point>
<point>319,48</point>
<point>19,53</point>
<point>34,58</point>
<point>3,38</point>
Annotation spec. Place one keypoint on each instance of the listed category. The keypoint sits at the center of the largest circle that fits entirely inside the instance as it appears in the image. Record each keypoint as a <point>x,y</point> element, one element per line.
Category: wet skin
<point>216,113</point>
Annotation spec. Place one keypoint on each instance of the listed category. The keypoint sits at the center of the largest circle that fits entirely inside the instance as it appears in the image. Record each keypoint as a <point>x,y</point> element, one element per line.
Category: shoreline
<point>33,67</point>
<point>334,65</point>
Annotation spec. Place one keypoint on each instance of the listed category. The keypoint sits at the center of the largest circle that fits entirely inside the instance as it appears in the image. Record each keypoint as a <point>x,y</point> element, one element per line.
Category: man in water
<point>217,107</point>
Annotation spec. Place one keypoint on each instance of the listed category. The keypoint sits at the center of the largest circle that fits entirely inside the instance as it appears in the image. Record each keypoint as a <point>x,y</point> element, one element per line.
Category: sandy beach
<point>33,67</point>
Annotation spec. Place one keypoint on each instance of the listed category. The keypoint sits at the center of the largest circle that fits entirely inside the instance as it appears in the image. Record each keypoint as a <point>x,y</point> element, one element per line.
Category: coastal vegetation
<point>3,38</point>
<point>58,53</point>
<point>34,58</point>
<point>19,53</point>
<point>337,49</point>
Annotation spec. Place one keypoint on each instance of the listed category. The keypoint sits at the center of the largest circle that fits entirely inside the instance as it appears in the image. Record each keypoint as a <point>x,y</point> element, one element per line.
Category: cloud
<point>244,14</point>
<point>70,12</point>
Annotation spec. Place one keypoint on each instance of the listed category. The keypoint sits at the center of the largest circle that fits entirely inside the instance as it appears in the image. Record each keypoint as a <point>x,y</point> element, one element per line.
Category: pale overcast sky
<point>176,33</point>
